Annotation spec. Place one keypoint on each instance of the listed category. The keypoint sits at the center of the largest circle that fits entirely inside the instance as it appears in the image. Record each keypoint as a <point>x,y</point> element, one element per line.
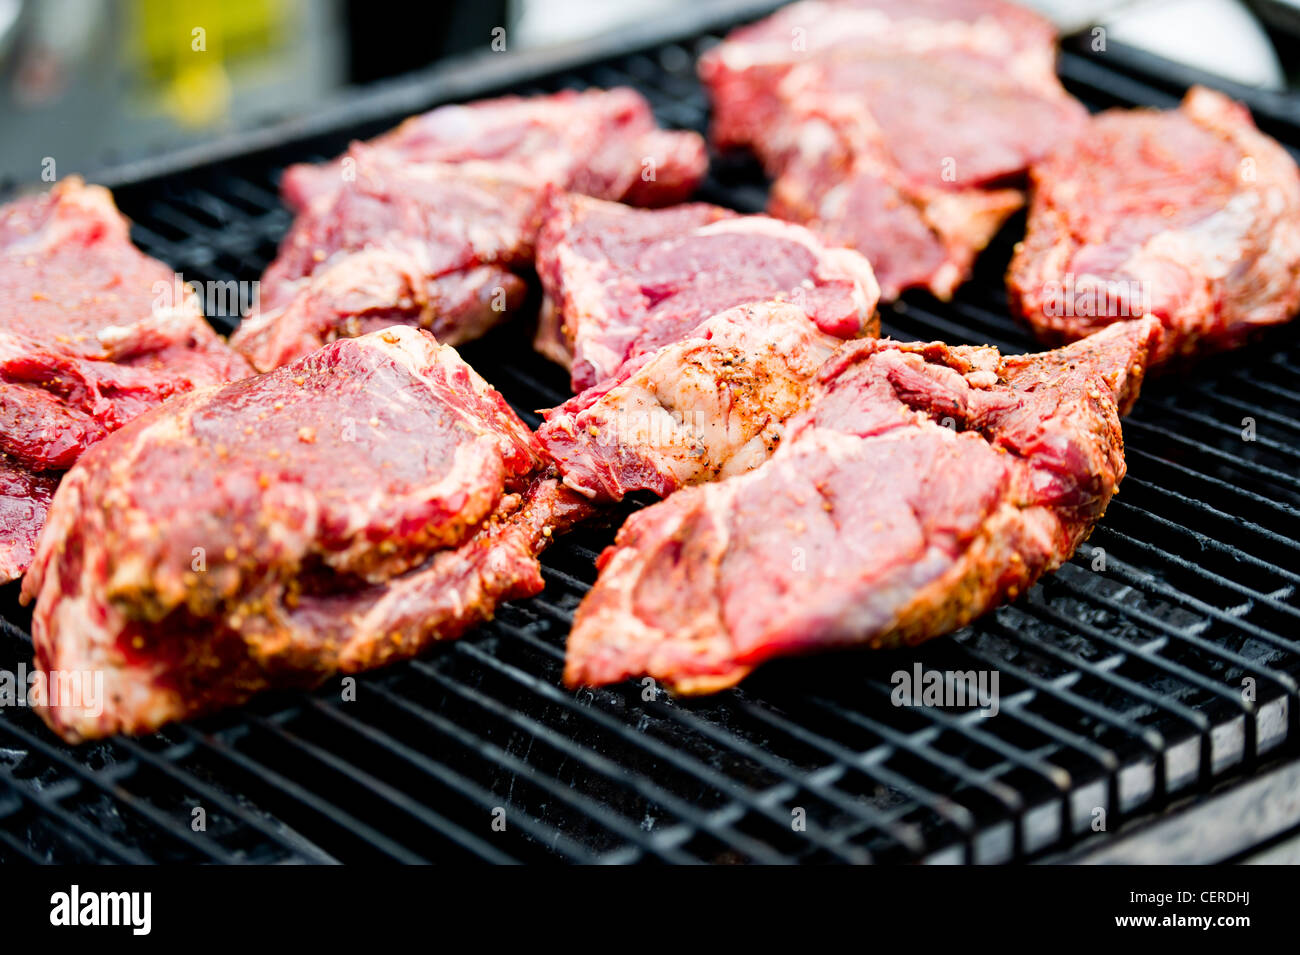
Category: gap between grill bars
<point>1121,689</point>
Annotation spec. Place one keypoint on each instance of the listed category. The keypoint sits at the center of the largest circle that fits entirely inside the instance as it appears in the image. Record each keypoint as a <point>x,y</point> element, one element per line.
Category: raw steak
<point>24,499</point>
<point>923,485</point>
<point>433,245</point>
<point>92,333</point>
<point>901,129</point>
<point>53,406</point>
<point>71,279</point>
<point>599,142</point>
<point>622,282</point>
<point>1191,215</point>
<point>329,516</point>
<point>433,223</point>
<point>693,411</point>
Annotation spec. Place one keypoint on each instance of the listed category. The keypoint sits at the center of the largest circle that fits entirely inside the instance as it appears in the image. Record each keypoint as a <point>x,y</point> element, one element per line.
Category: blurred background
<point>92,83</point>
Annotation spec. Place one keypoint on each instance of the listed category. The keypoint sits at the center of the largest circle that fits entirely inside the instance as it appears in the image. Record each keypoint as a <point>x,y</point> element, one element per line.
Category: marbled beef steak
<point>1191,215</point>
<point>621,283</point>
<point>24,500</point>
<point>433,224</point>
<point>693,411</point>
<point>433,245</point>
<point>923,485</point>
<point>900,128</point>
<point>340,512</point>
<point>602,143</point>
<point>92,333</point>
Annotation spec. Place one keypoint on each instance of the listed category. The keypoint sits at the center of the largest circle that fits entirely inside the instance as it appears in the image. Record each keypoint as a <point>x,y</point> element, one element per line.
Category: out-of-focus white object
<point>547,22</point>
<point>1217,36</point>
<point>9,12</point>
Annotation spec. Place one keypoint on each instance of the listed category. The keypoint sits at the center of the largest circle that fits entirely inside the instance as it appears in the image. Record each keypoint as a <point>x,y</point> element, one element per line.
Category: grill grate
<point>1121,689</point>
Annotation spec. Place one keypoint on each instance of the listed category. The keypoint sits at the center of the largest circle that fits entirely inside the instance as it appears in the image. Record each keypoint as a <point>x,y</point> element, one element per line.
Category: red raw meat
<point>923,485</point>
<point>603,143</point>
<point>433,223</point>
<point>1191,215</point>
<point>623,282</point>
<point>24,499</point>
<point>71,279</point>
<point>901,129</point>
<point>337,513</point>
<point>92,333</point>
<point>433,245</point>
<point>697,410</point>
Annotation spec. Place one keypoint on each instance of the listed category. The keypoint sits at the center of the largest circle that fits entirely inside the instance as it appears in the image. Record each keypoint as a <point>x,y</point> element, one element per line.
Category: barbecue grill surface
<point>1122,687</point>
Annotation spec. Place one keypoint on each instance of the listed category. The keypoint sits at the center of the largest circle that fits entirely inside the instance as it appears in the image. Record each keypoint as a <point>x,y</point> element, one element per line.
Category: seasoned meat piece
<point>1191,215</point>
<point>603,143</point>
<point>923,485</point>
<point>901,129</point>
<point>622,282</point>
<point>92,333</point>
<point>53,406</point>
<point>693,411</point>
<point>71,280</point>
<point>345,509</point>
<point>433,223</point>
<point>436,246</point>
<point>24,499</point>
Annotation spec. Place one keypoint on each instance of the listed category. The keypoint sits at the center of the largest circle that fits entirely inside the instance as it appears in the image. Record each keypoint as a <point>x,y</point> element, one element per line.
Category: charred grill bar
<point>1161,663</point>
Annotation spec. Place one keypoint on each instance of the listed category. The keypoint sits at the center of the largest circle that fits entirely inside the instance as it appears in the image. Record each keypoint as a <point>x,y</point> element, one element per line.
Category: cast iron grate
<point>1121,688</point>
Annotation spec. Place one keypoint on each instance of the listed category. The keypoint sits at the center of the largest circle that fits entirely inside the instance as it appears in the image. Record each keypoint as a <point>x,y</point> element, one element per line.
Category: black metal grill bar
<point>108,782</point>
<point>12,850</point>
<point>1170,406</point>
<point>1283,682</point>
<point>715,822</point>
<point>1270,388</point>
<point>886,822</point>
<point>652,793</point>
<point>981,788</point>
<point>1134,421</point>
<point>455,783</point>
<point>1060,690</point>
<point>1205,541</point>
<point>1186,474</point>
<point>1150,736</point>
<point>870,764</point>
<point>1255,410</point>
<point>1171,499</point>
<point>47,802</point>
<point>1059,781</point>
<point>395,799</point>
<point>318,805</point>
<point>664,844</point>
<point>165,763</point>
<point>820,785</point>
<point>1253,599</point>
<point>1086,76</point>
